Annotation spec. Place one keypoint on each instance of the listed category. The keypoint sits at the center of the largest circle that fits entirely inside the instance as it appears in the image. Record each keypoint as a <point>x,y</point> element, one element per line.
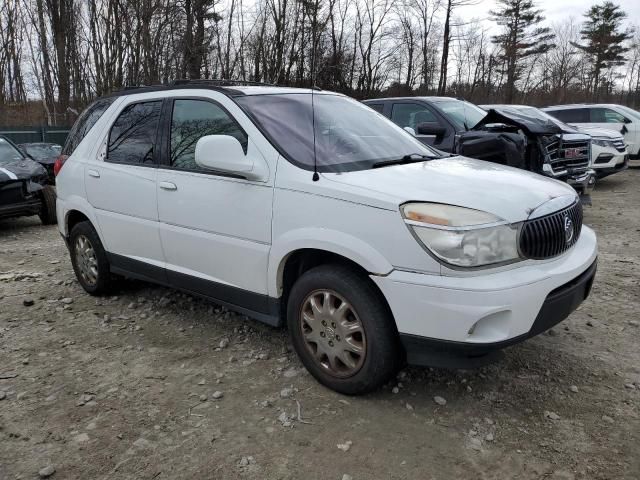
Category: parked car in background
<point>24,188</point>
<point>608,151</point>
<point>610,116</point>
<point>308,209</point>
<point>43,153</point>
<point>457,126</point>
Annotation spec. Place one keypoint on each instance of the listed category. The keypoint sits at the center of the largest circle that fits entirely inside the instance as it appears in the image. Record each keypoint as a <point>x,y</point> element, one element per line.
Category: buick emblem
<point>568,229</point>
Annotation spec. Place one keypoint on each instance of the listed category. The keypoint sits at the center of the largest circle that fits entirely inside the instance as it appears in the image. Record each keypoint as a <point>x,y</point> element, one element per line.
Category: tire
<point>83,234</point>
<point>48,210</point>
<point>378,339</point>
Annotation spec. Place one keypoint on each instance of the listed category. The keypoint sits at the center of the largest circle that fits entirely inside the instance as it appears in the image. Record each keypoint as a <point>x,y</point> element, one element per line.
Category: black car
<point>24,185</point>
<point>43,153</point>
<point>505,137</point>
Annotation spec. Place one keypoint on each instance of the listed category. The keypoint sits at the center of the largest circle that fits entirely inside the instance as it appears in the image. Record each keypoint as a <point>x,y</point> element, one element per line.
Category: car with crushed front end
<point>24,188</point>
<point>608,151</point>
<point>458,126</point>
<point>307,209</point>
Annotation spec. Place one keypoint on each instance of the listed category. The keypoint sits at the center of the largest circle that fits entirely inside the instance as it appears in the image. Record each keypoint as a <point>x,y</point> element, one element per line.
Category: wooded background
<point>57,55</point>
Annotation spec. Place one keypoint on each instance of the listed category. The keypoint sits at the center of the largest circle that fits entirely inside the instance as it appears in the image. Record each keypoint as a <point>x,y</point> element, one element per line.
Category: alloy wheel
<point>333,333</point>
<point>86,260</point>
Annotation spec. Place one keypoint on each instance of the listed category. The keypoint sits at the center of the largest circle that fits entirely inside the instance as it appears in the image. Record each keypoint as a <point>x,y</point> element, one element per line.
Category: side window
<point>132,138</point>
<point>378,107</point>
<point>411,114</point>
<point>606,115</point>
<point>194,119</point>
<point>84,123</point>
<point>572,115</point>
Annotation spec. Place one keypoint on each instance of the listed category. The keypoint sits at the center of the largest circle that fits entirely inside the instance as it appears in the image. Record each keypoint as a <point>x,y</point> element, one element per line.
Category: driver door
<point>412,114</point>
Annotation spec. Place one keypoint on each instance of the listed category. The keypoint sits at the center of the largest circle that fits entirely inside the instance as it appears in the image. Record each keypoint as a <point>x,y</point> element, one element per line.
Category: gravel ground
<point>154,384</point>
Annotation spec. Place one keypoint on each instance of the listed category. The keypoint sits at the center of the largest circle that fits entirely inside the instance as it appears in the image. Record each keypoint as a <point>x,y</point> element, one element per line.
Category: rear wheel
<point>48,210</point>
<point>89,259</point>
<point>342,329</point>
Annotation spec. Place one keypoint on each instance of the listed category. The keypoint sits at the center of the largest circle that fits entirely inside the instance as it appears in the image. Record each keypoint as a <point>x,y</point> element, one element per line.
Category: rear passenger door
<point>121,186</point>
<point>215,227</point>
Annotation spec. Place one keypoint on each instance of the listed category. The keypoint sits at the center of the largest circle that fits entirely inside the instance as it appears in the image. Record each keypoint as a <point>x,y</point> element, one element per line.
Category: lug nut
<point>333,324</point>
<point>322,334</point>
<point>338,337</point>
<point>330,343</point>
<point>324,324</point>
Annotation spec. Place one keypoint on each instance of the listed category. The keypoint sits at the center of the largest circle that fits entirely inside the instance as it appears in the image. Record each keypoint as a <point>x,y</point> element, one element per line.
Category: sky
<point>554,10</point>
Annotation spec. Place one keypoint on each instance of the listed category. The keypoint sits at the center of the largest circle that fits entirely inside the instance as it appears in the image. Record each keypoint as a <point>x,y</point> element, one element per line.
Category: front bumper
<point>583,183</point>
<point>451,321</point>
<point>615,165</point>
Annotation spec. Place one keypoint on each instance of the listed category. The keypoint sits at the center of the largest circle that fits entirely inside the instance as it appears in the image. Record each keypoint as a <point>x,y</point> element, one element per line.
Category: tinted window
<point>133,136</point>
<point>84,123</point>
<point>378,107</point>
<point>194,119</point>
<point>573,115</point>
<point>348,135</point>
<point>605,115</point>
<point>411,114</point>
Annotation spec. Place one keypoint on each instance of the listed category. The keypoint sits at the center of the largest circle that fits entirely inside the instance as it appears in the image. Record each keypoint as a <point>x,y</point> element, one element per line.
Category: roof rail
<point>219,82</point>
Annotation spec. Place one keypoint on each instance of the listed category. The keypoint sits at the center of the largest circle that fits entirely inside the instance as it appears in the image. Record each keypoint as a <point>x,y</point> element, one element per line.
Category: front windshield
<point>9,153</point>
<point>349,135</point>
<point>464,114</point>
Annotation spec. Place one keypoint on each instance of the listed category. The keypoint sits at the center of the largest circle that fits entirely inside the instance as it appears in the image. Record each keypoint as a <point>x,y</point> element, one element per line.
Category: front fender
<point>325,239</point>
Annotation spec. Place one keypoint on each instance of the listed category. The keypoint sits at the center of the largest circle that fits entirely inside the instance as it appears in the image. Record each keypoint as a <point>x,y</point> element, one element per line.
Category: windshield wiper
<point>409,158</point>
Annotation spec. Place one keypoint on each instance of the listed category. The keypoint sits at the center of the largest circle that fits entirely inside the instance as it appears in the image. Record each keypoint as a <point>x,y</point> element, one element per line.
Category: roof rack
<point>219,82</point>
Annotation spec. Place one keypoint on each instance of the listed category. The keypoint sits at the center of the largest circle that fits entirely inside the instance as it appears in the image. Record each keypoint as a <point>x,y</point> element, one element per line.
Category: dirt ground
<point>127,386</point>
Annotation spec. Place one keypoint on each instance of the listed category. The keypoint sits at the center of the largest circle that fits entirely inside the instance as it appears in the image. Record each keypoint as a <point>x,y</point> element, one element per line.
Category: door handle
<point>93,173</point>
<point>168,186</point>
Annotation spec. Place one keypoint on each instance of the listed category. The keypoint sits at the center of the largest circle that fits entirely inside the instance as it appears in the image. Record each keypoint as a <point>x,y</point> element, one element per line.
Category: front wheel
<point>343,330</point>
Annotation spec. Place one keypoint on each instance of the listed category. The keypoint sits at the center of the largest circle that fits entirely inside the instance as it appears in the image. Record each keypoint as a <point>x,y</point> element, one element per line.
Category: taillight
<point>57,165</point>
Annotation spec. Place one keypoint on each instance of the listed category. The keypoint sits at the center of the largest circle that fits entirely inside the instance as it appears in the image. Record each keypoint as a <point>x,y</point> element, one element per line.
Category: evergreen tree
<point>521,37</point>
<point>604,40</point>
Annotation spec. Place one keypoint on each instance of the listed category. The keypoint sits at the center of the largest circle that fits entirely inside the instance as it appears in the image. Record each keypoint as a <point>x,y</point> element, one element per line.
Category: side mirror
<point>627,120</point>
<point>223,153</point>
<point>410,130</point>
<point>431,128</point>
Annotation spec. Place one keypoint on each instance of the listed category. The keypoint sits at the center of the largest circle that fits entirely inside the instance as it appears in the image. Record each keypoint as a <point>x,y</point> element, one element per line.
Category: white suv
<point>603,115</point>
<point>308,209</point>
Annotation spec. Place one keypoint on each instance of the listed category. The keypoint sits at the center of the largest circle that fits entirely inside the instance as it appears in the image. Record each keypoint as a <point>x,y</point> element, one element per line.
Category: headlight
<point>461,236</point>
<point>602,142</point>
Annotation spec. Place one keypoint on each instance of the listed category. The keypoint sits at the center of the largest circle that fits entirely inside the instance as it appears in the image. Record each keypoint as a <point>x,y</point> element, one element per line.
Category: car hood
<point>506,192</point>
<point>21,169</point>
<point>600,132</point>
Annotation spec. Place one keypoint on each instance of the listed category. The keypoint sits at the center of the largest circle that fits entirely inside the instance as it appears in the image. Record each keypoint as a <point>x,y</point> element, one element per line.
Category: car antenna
<point>316,176</point>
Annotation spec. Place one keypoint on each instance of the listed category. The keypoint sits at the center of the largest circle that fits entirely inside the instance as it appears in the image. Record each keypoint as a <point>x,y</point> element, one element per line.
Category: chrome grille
<point>572,156</point>
<point>549,236</point>
<point>619,144</point>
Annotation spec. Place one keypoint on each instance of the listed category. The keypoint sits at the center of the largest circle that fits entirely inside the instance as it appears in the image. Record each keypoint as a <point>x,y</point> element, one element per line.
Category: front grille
<point>568,155</point>
<point>619,144</point>
<point>551,235</point>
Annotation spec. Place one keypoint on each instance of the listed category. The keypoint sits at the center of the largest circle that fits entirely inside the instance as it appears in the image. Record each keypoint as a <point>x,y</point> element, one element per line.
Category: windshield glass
<point>464,114</point>
<point>9,153</point>
<point>349,135</point>
<point>43,152</point>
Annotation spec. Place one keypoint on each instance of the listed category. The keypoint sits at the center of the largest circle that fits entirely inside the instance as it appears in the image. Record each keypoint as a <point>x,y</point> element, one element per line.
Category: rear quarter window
<point>85,123</point>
